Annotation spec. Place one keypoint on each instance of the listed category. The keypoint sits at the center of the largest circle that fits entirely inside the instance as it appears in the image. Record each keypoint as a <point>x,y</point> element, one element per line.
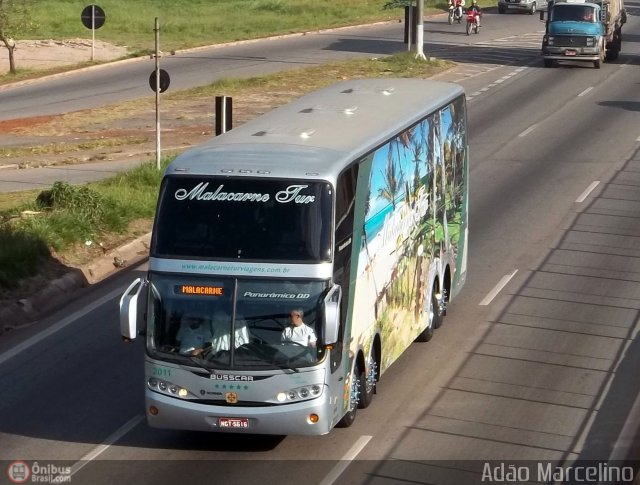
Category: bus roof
<point>319,134</point>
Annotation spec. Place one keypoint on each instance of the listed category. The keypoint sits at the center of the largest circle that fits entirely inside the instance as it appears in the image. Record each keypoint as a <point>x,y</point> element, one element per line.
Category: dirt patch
<point>43,54</point>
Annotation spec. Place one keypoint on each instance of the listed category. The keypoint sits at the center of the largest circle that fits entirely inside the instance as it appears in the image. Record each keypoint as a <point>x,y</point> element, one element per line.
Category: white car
<point>529,6</point>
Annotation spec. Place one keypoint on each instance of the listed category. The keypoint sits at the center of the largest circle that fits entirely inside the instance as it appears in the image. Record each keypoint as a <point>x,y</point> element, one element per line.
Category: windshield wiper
<point>199,362</point>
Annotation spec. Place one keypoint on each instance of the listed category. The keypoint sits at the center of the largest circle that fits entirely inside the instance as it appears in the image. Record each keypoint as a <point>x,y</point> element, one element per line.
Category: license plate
<point>233,422</point>
<point>569,53</point>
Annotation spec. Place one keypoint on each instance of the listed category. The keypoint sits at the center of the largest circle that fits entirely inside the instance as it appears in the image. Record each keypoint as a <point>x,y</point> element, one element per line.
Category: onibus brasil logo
<point>20,472</point>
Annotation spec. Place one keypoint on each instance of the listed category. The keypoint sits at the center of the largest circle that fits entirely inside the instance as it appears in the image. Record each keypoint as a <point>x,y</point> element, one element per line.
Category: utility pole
<point>157,36</point>
<point>420,30</point>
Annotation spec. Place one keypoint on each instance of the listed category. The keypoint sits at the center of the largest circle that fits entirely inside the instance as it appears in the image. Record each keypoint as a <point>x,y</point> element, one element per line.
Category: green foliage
<point>15,18</point>
<point>70,214</point>
<point>398,4</point>
<point>72,198</point>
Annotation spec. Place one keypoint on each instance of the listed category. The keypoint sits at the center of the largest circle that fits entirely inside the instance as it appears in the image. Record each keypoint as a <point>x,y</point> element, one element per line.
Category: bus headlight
<point>591,41</point>
<point>549,40</point>
<point>166,388</point>
<point>300,393</point>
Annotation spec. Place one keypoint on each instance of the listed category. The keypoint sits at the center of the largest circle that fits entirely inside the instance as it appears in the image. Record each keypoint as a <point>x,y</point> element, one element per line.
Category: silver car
<point>529,6</point>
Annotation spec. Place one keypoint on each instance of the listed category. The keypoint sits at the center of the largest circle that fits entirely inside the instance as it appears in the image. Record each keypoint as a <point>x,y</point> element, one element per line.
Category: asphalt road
<point>130,79</point>
<point>537,359</point>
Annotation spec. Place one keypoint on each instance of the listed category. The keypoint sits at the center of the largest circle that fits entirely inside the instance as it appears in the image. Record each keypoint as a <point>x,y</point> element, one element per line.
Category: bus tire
<point>368,383</point>
<point>427,334</point>
<point>438,312</point>
<point>350,416</point>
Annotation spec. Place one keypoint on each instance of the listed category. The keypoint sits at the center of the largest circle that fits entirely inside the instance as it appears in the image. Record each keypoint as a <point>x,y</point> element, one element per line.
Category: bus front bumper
<point>286,419</point>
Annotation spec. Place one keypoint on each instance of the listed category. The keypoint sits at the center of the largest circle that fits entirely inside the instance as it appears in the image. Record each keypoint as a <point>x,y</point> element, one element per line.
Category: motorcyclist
<point>457,5</point>
<point>474,7</point>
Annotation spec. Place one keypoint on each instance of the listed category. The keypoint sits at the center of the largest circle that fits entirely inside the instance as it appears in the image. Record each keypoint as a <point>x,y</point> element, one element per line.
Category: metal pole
<point>410,28</point>
<point>157,32</point>
<point>420,31</point>
<point>93,30</point>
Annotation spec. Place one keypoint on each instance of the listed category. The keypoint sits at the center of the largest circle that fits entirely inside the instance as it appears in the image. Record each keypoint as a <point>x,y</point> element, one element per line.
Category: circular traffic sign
<point>164,80</point>
<point>95,12</point>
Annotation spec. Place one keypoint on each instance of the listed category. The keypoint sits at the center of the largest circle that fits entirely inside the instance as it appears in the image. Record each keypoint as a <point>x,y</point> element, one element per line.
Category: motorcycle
<point>455,12</point>
<point>472,21</point>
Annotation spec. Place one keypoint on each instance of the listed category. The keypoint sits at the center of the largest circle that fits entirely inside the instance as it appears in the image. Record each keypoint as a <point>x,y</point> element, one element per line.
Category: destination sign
<point>200,290</point>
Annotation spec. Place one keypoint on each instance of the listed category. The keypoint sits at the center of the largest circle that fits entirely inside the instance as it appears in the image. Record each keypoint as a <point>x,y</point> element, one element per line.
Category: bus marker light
<point>153,411</point>
<point>314,418</point>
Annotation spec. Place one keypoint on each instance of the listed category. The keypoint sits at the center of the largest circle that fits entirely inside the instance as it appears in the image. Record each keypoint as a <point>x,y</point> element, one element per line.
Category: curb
<point>62,290</point>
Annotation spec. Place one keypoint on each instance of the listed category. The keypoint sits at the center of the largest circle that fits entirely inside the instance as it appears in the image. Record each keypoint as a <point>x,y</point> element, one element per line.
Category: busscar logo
<point>18,472</point>
<point>229,377</point>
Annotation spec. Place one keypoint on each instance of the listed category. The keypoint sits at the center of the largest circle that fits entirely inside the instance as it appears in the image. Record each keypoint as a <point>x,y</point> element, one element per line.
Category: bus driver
<point>299,331</point>
<point>194,334</point>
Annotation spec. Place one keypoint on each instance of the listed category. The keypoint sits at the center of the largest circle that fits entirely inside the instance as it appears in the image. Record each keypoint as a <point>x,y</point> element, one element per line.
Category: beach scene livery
<point>413,233</point>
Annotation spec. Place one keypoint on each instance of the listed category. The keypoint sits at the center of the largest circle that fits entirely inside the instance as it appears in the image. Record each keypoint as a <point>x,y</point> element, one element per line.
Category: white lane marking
<point>346,460</point>
<point>493,84</point>
<point>498,288</point>
<point>528,130</point>
<point>98,450</point>
<point>58,326</point>
<point>587,191</point>
<point>585,91</point>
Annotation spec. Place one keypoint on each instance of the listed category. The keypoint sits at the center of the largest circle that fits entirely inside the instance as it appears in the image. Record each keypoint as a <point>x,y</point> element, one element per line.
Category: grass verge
<point>190,23</point>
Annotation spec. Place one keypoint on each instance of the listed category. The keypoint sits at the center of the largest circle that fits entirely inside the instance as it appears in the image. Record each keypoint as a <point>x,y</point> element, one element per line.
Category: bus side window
<point>345,203</point>
<point>345,208</point>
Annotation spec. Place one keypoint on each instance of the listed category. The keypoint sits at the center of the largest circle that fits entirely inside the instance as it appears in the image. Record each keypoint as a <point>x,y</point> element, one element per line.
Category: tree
<point>14,21</point>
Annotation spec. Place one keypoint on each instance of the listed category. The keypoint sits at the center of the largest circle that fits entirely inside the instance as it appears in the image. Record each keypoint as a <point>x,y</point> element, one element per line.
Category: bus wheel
<point>356,384</point>
<point>427,333</point>
<point>368,388</point>
<point>438,305</point>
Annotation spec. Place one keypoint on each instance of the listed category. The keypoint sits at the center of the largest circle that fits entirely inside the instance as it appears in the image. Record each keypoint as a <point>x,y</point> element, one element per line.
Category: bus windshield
<point>243,219</point>
<point>274,323</point>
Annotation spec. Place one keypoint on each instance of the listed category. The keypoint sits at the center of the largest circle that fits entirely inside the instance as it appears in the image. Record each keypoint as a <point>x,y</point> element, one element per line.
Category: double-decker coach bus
<point>294,258</point>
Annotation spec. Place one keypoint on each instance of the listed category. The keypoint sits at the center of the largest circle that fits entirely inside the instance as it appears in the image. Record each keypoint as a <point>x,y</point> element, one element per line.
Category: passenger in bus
<point>222,331</point>
<point>194,334</point>
<point>299,332</point>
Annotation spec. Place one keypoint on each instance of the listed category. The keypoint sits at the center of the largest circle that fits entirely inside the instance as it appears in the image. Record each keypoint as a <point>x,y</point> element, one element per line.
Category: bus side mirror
<point>331,318</point>
<point>331,322</point>
<point>129,310</point>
